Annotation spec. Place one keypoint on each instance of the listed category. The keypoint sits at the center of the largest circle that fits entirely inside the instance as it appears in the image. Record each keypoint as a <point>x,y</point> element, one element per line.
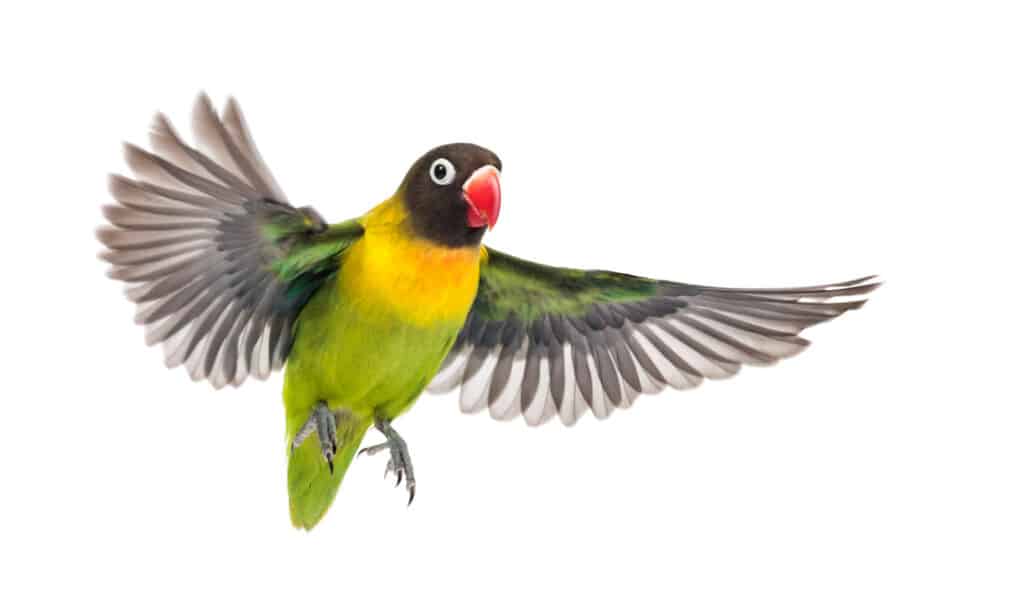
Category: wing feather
<point>542,341</point>
<point>213,255</point>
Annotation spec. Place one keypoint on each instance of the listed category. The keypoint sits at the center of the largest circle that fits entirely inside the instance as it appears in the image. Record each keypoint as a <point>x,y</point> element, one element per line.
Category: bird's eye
<point>442,172</point>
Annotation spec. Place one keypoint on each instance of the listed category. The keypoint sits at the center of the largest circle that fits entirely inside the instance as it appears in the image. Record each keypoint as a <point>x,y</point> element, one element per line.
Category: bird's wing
<point>543,341</point>
<point>217,261</point>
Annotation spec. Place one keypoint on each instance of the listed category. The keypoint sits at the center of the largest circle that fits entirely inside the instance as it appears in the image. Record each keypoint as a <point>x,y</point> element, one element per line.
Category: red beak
<point>482,192</point>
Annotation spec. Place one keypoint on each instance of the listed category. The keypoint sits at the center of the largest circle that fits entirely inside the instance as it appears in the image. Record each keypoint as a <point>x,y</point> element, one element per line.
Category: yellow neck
<point>391,212</point>
<point>391,271</point>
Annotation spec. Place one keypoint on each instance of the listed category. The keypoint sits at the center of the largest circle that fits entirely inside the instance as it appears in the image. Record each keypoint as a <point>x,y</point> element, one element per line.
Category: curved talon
<point>324,423</point>
<point>399,460</point>
<point>375,448</point>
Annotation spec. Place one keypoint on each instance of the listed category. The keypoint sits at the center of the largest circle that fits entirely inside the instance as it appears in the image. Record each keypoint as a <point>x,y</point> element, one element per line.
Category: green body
<point>365,362</point>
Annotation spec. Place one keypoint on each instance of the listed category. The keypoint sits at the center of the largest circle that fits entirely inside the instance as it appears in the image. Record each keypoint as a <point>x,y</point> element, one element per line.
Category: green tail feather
<point>311,484</point>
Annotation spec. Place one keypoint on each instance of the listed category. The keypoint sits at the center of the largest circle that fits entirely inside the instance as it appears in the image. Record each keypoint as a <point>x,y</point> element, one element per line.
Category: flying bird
<point>235,281</point>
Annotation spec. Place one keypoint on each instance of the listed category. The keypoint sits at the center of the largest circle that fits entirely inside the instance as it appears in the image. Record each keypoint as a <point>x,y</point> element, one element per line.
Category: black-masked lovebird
<point>364,315</point>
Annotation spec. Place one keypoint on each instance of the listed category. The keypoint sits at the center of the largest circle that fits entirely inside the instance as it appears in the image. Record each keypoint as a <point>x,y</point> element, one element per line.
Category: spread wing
<point>217,261</point>
<point>541,341</point>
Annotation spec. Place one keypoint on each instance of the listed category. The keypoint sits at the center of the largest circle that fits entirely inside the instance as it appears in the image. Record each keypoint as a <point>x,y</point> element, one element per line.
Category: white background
<point>722,143</point>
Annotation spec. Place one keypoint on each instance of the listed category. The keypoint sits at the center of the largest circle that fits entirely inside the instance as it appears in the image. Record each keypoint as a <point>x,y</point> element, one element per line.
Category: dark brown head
<point>453,194</point>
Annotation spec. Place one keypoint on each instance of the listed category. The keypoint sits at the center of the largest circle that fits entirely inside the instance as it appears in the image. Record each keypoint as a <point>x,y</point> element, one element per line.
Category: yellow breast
<point>423,283</point>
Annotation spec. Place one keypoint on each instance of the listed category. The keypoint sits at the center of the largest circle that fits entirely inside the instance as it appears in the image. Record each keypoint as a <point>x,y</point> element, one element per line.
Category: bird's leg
<point>324,422</point>
<point>400,461</point>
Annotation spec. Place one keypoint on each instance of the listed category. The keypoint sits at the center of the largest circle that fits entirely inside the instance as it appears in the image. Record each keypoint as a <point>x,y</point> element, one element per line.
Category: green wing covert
<point>541,340</point>
<point>217,261</point>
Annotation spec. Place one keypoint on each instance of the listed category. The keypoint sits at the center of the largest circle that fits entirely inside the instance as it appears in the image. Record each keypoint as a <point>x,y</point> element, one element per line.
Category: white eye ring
<point>442,172</point>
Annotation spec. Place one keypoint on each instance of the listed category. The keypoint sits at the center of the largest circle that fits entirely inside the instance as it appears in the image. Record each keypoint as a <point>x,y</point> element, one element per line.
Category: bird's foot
<point>325,424</point>
<point>400,461</point>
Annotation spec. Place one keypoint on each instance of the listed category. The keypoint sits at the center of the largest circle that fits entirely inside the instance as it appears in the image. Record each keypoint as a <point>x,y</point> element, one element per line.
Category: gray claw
<point>371,450</point>
<point>399,461</point>
<point>323,421</point>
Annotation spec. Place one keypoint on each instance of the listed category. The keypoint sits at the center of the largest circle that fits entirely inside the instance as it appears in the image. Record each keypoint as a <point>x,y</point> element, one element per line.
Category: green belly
<point>360,357</point>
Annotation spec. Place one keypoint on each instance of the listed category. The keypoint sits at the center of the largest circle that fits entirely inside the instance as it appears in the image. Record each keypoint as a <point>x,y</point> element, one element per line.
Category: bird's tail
<point>312,485</point>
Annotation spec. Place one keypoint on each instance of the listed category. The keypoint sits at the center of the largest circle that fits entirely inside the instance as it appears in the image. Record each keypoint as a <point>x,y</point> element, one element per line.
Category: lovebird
<point>233,281</point>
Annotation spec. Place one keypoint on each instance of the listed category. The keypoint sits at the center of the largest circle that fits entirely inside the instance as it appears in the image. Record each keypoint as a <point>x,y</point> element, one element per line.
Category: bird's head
<point>453,194</point>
